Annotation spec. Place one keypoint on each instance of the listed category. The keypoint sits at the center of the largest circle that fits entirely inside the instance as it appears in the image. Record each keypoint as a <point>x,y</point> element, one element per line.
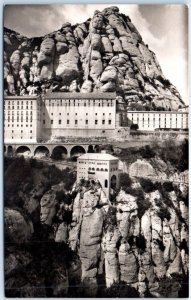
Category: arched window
<point>93,169</point>
<point>106,183</point>
<point>106,170</point>
<point>101,169</point>
<point>97,169</point>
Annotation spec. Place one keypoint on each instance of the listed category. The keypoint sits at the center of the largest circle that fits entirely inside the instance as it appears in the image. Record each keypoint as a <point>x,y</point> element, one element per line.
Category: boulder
<point>87,86</point>
<point>128,264</point>
<point>47,51</point>
<point>109,245</point>
<point>18,229</point>
<point>68,65</point>
<point>48,207</point>
<point>15,60</point>
<point>61,235</point>
<point>108,87</point>
<point>109,74</point>
<point>141,168</point>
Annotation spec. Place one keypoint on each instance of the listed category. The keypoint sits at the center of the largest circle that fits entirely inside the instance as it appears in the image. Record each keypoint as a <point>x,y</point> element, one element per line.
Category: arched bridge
<point>59,151</point>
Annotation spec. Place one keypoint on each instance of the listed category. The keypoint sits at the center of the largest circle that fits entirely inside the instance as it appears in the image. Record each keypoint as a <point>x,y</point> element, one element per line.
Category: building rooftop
<point>25,97</point>
<point>98,156</point>
<point>64,95</point>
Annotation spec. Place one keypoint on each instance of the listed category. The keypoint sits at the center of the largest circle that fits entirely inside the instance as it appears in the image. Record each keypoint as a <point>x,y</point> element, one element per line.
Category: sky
<point>163,27</point>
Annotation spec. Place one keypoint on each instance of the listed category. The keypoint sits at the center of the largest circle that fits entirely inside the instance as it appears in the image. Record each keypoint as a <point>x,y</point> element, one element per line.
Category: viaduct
<point>48,149</point>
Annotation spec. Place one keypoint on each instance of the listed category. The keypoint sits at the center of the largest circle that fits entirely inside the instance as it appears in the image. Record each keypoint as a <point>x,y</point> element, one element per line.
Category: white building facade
<point>22,119</point>
<point>158,120</point>
<point>54,116</point>
<point>78,114</point>
<point>99,166</point>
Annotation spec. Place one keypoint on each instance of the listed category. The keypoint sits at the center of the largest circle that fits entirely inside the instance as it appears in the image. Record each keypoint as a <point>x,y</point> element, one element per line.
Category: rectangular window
<point>59,122</point>
<point>96,121</point>
<point>109,122</point>
<point>76,122</point>
<point>86,122</point>
<point>103,122</point>
<point>68,121</point>
<point>51,121</point>
<point>43,121</point>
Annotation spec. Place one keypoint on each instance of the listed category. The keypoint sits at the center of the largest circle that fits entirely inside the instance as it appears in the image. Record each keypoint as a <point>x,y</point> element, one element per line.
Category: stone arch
<point>59,152</point>
<point>42,151</point>
<point>77,151</point>
<point>23,150</point>
<point>10,150</point>
<point>96,148</point>
<point>90,149</point>
<point>113,181</point>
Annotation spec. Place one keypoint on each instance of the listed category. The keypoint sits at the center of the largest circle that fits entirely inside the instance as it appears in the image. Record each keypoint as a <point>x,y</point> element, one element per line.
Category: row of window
<point>21,125</point>
<point>22,137</point>
<point>19,119</point>
<point>77,114</point>
<point>80,104</point>
<point>21,131</point>
<point>150,115</point>
<point>18,113</point>
<point>18,107</point>
<point>76,122</point>
<point>20,102</point>
<point>98,169</point>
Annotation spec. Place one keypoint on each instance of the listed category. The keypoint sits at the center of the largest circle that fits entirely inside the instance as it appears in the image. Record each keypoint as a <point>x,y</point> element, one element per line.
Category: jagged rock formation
<point>105,53</point>
<point>138,239</point>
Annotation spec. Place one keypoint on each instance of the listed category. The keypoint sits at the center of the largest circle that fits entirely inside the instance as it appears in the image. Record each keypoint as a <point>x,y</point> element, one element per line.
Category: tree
<point>134,126</point>
<point>124,181</point>
<point>147,185</point>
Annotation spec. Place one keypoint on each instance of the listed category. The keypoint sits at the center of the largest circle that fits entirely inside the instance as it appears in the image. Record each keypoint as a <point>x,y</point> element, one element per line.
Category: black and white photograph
<point>96,138</point>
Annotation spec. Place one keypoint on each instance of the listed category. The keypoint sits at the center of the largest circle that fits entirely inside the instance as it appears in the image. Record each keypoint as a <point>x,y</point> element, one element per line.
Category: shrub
<point>147,152</point>
<point>168,186</point>
<point>142,203</point>
<point>161,245</point>
<point>147,185</point>
<point>167,285</point>
<point>120,290</point>
<point>134,127</point>
<point>184,245</point>
<point>124,181</point>
<point>110,220</point>
<point>139,241</point>
<point>163,213</point>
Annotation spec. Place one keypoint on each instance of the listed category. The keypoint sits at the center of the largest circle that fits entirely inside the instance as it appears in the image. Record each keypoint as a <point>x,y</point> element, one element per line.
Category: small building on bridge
<point>102,166</point>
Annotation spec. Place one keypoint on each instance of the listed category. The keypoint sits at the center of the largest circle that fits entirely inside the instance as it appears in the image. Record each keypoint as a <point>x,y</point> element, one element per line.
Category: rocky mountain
<point>105,53</point>
<point>68,239</point>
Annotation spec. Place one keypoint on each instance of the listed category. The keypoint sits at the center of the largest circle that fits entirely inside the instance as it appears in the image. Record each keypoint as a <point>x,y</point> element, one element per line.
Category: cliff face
<point>105,53</point>
<point>139,241</point>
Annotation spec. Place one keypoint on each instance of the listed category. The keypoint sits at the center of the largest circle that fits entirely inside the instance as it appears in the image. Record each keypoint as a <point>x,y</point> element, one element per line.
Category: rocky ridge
<point>137,240</point>
<point>105,53</point>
